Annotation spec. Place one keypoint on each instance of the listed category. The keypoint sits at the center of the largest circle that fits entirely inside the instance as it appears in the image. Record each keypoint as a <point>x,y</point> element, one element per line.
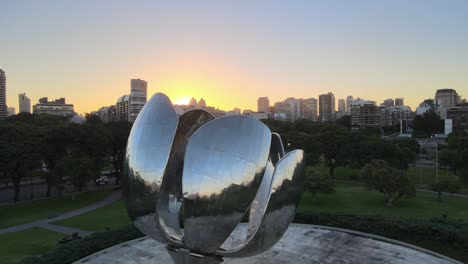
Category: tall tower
<point>399,102</point>
<point>138,95</point>
<point>3,106</point>
<point>327,107</point>
<point>341,105</point>
<point>263,104</point>
<point>349,100</point>
<point>24,103</point>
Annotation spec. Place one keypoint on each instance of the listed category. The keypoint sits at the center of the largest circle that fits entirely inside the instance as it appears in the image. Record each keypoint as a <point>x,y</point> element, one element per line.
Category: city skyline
<point>232,53</point>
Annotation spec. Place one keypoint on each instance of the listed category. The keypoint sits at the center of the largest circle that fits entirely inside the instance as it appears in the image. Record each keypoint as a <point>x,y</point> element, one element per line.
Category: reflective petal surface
<point>258,207</point>
<point>284,197</point>
<point>171,197</point>
<point>224,165</point>
<point>148,149</point>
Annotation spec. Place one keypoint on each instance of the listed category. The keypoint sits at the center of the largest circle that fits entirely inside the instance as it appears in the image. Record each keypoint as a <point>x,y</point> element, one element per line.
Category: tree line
<point>61,151</point>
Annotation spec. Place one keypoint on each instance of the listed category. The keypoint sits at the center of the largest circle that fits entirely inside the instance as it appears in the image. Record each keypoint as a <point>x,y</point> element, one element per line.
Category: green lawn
<point>27,243</point>
<point>112,216</point>
<point>26,212</point>
<point>355,199</point>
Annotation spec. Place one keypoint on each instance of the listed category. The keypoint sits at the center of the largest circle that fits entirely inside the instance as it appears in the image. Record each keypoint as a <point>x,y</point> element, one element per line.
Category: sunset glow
<point>231,53</point>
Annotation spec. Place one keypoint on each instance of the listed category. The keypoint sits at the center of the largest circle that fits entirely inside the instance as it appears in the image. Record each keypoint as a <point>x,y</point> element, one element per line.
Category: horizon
<point>232,53</point>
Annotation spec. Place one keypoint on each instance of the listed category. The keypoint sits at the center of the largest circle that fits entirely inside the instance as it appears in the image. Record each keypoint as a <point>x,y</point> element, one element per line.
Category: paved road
<point>46,223</point>
<point>39,190</point>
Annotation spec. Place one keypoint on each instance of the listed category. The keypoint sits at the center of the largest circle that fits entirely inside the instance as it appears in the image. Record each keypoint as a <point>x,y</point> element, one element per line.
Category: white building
<point>24,103</point>
<point>349,100</point>
<point>138,96</point>
<point>341,105</point>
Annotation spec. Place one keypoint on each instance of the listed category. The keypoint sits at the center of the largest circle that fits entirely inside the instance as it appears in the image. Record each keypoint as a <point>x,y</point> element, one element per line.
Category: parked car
<point>102,180</point>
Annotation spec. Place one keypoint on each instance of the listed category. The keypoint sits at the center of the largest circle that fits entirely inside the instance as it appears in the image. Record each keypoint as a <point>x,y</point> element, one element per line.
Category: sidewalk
<point>46,223</point>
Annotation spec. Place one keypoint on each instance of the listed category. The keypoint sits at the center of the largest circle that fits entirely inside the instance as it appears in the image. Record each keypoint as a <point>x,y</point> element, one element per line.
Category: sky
<point>232,52</point>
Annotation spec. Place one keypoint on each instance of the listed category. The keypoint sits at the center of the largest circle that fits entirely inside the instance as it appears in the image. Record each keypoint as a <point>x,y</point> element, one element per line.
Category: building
<point>388,102</point>
<point>327,107</point>
<point>263,105</point>
<point>399,101</point>
<point>24,103</point>
<point>447,98</point>
<point>138,95</point>
<point>341,105</point>
<point>365,113</point>
<point>201,103</point>
<point>57,107</point>
<point>459,116</point>
<point>308,108</point>
<point>444,100</point>
<point>11,111</point>
<point>3,106</point>
<point>349,100</point>
<point>107,113</point>
<point>122,108</point>
<point>193,102</point>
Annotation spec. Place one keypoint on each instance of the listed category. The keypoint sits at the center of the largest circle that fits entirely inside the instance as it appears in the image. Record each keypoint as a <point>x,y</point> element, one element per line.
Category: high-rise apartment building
<point>263,104</point>
<point>341,105</point>
<point>138,95</point>
<point>3,106</point>
<point>447,97</point>
<point>193,102</point>
<point>24,103</point>
<point>366,115</point>
<point>399,102</point>
<point>309,108</point>
<point>56,107</point>
<point>349,100</point>
<point>122,108</point>
<point>388,102</point>
<point>201,103</point>
<point>327,107</point>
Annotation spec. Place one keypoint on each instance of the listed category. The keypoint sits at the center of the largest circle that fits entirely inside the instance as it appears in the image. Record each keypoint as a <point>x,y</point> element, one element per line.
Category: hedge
<point>78,249</point>
<point>447,237</point>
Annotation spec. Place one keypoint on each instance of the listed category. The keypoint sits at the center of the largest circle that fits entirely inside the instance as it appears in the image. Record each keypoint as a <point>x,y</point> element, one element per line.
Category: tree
<point>393,183</point>
<point>344,121</point>
<point>330,141</point>
<point>446,184</point>
<point>317,181</point>
<point>119,132</point>
<point>19,151</point>
<point>427,124</point>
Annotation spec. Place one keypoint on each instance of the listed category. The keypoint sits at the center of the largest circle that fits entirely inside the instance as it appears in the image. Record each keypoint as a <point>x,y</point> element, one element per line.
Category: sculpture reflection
<point>217,170</point>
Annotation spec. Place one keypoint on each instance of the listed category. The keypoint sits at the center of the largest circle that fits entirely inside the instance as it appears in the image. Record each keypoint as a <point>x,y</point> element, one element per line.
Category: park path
<point>46,223</point>
<point>419,190</point>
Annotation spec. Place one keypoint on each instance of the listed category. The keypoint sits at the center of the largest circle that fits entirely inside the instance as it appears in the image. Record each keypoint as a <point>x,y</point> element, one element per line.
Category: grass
<point>26,243</point>
<point>22,213</point>
<point>112,216</point>
<point>355,199</point>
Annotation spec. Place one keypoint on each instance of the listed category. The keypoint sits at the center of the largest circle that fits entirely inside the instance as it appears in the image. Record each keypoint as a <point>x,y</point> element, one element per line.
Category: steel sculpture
<point>206,175</point>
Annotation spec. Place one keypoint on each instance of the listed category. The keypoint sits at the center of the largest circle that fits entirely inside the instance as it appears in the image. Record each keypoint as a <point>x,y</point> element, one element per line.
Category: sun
<point>182,101</point>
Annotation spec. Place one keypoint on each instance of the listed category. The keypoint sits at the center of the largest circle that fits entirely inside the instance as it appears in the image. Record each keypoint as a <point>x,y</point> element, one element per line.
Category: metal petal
<point>284,197</point>
<point>259,205</point>
<point>276,149</point>
<point>224,165</point>
<point>148,149</point>
<point>171,197</point>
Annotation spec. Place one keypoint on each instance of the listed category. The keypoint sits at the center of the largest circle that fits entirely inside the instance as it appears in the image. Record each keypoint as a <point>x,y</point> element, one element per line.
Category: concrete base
<point>300,244</point>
